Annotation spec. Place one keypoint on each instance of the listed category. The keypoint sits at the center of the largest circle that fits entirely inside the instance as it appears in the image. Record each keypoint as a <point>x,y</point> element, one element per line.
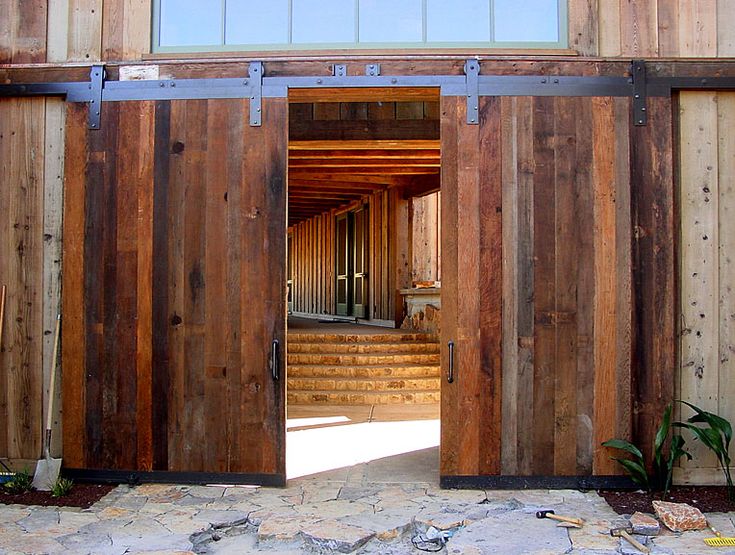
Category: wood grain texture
<point>23,31</point>
<point>126,29</point>
<point>22,145</point>
<point>175,374</point>
<point>84,43</point>
<point>652,208</point>
<point>53,204</point>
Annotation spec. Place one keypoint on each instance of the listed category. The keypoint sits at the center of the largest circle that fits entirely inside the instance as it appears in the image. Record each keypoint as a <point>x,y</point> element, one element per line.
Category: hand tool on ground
<point>47,470</point>
<point>719,540</point>
<point>550,514</point>
<point>625,533</point>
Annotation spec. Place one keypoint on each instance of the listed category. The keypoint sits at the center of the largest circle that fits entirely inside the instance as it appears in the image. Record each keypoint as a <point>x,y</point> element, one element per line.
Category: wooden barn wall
<point>174,230</point>
<point>314,263</point>
<point>425,241</point>
<point>707,267</point>
<point>570,308</point>
<point>93,30</point>
<point>31,170</point>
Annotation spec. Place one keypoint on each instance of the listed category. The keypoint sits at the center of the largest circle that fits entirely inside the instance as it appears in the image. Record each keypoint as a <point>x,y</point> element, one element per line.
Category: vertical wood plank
<point>73,343</point>
<point>510,208</point>
<point>725,29</point>
<point>584,208</point>
<point>489,387</point>
<point>144,314</point>
<point>52,234</point>
<point>162,314</point>
<point>525,283</point>
<point>609,21</point>
<point>726,204</point>
<point>450,456</point>
<point>639,28</point>
<point>544,233</point>
<point>566,247</point>
<point>605,293</point>
<point>654,297</point>
<point>583,26</point>
<point>85,31</point>
<point>699,258</point>
<point>23,173</point>
<point>698,28</point>
<point>668,28</point>
<point>58,31</point>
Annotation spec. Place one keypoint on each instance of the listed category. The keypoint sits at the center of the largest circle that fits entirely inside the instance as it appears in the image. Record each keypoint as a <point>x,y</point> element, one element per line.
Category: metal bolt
<point>319,81</point>
<point>643,109</point>
<point>162,84</point>
<point>556,80</point>
<point>472,120</point>
<point>245,82</point>
<point>91,101</point>
<point>258,110</point>
<point>173,84</point>
<point>394,81</point>
<point>704,81</point>
<point>640,121</point>
<point>97,113</point>
<point>543,80</point>
<point>637,96</point>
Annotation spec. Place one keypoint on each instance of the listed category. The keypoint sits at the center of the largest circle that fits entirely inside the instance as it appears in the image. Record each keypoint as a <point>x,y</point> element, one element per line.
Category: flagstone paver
<point>352,516</point>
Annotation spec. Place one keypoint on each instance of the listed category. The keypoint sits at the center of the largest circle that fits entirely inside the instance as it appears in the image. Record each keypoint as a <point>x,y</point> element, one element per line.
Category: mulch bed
<point>81,495</point>
<point>708,499</point>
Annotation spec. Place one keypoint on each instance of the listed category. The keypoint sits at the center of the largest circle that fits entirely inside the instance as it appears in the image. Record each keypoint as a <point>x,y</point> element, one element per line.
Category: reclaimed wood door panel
<point>537,285</point>
<point>175,220</point>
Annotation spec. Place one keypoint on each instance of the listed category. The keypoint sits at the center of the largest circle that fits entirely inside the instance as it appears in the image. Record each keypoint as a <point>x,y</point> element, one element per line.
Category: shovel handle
<point>52,381</point>
<point>2,313</point>
<point>634,542</point>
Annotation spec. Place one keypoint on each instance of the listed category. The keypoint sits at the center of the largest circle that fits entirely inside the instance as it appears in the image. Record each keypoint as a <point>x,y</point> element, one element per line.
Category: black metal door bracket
<point>96,82</point>
<point>256,94</point>
<point>640,93</point>
<point>472,71</point>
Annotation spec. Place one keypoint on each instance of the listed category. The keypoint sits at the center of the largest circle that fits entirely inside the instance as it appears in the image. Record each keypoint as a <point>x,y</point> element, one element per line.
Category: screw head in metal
<point>394,81</point>
<point>319,81</point>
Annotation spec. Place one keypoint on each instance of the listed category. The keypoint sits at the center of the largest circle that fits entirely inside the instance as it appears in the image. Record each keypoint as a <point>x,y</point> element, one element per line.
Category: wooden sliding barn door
<point>536,286</point>
<point>174,289</point>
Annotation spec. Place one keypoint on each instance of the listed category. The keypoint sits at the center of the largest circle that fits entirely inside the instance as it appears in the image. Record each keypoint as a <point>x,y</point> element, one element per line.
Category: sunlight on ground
<point>337,446</point>
<point>316,421</point>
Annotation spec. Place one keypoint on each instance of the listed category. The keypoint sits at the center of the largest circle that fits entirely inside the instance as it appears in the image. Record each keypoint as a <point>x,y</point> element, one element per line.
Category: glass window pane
<point>529,21</point>
<point>457,20</point>
<point>323,21</point>
<point>390,21</point>
<point>191,22</point>
<point>256,22</point>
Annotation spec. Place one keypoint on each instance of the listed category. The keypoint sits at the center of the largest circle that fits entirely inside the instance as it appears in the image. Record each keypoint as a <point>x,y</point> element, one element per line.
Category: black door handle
<point>450,374</point>
<point>275,360</point>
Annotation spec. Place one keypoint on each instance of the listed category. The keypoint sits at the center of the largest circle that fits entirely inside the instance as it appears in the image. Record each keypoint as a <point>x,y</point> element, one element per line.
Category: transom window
<point>209,25</point>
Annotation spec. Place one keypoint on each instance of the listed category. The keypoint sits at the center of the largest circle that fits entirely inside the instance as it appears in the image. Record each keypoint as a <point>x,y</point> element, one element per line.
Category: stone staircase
<point>363,369</point>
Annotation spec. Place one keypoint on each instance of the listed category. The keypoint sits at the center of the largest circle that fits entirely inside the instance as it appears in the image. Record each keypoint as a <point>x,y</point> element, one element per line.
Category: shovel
<point>47,470</point>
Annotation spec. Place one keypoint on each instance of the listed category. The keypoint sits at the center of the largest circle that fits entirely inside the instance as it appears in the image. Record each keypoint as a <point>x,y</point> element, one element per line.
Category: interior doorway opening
<point>364,279</point>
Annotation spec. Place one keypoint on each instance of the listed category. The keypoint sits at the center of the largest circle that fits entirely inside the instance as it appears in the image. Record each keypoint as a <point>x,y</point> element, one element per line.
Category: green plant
<point>62,487</point>
<point>21,482</point>
<point>716,434</point>
<point>663,460</point>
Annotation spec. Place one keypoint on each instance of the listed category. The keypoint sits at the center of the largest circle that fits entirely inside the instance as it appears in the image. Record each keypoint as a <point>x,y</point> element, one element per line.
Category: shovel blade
<point>47,472</point>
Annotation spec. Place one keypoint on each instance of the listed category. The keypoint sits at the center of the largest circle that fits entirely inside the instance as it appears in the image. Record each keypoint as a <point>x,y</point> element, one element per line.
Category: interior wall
<point>388,268</point>
<point>707,267</point>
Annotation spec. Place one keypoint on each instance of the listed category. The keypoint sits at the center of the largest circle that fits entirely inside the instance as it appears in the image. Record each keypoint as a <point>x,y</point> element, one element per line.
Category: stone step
<point>386,371</point>
<point>296,385</point>
<point>363,398</point>
<point>362,348</point>
<point>295,337</point>
<point>336,359</point>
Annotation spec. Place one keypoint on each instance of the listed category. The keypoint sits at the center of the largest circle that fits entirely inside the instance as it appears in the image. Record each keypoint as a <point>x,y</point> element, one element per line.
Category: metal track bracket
<point>472,71</point>
<point>372,70</point>
<point>256,95</point>
<point>640,93</point>
<point>96,82</point>
<point>339,70</point>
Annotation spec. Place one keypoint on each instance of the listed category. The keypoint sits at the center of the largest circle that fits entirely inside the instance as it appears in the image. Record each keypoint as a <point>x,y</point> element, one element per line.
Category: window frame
<point>561,44</point>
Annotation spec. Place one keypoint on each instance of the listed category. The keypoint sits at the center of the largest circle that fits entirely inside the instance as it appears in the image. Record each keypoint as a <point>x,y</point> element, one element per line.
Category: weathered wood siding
<point>93,30</point>
<point>707,266</point>
<point>174,224</point>
<point>314,263</point>
<point>31,169</point>
<point>552,177</point>
<point>425,241</point>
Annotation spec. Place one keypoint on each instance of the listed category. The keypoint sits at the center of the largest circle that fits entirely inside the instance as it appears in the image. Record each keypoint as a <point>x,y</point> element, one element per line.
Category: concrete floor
<point>389,443</point>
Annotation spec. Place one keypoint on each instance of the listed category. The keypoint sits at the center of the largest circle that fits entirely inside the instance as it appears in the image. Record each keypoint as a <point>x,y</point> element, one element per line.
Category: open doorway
<point>363,361</point>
